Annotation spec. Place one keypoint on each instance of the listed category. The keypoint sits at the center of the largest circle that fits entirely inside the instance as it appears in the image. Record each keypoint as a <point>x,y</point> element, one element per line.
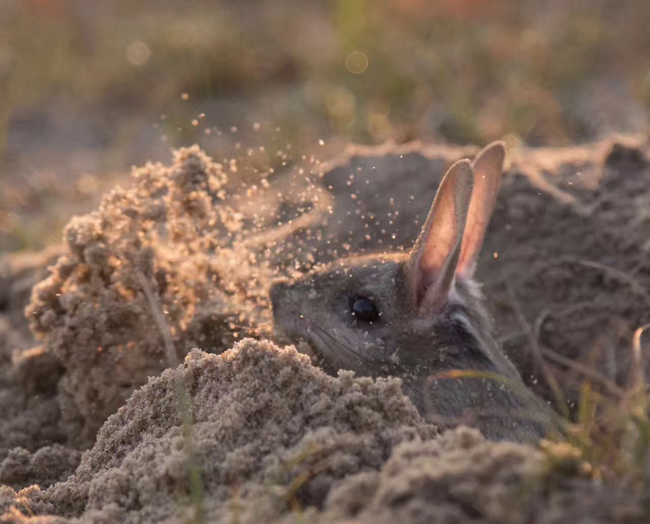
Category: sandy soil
<point>566,275</point>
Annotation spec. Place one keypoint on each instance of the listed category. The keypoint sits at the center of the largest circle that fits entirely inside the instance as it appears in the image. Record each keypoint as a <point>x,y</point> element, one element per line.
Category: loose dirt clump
<point>30,436</point>
<point>50,464</point>
<point>174,230</point>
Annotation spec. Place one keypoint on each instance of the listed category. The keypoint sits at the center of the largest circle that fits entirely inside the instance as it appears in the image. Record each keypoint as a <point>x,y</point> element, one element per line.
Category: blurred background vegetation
<point>90,87</point>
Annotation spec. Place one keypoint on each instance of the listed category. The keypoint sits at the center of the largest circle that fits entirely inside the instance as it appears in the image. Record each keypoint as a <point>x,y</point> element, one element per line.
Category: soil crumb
<point>50,464</point>
<point>275,439</point>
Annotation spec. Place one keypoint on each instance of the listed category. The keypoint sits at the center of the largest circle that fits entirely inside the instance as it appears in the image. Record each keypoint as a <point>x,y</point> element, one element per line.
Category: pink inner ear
<point>435,255</point>
<point>439,247</point>
<point>488,169</point>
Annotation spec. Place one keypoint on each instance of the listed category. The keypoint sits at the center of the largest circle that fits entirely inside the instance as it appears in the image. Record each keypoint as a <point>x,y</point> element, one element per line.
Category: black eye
<point>363,309</point>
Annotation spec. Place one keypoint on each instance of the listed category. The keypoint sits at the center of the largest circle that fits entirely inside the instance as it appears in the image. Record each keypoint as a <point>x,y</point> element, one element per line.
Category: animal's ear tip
<point>497,145</point>
<point>494,151</point>
<point>463,163</point>
<point>462,172</point>
<point>462,168</point>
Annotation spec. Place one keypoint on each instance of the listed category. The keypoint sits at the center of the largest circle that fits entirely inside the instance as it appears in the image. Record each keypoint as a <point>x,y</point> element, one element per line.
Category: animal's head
<point>417,315</point>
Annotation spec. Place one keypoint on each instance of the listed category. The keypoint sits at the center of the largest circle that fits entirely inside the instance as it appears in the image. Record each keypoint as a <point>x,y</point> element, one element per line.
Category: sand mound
<point>172,229</point>
<point>264,418</point>
<point>273,436</point>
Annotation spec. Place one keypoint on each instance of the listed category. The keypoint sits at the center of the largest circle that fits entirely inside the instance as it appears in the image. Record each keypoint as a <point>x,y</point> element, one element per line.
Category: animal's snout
<point>285,312</point>
<point>279,289</point>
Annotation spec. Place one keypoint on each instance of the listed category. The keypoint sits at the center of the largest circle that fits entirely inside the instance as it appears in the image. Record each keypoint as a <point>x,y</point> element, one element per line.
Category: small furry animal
<point>419,315</point>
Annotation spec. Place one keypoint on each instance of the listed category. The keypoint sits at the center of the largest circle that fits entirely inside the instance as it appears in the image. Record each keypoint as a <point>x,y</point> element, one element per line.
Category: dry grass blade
<point>235,507</point>
<point>587,371</point>
<point>183,400</point>
<point>614,436</point>
<point>170,349</point>
<point>620,276</point>
<point>537,354</point>
<point>638,370</point>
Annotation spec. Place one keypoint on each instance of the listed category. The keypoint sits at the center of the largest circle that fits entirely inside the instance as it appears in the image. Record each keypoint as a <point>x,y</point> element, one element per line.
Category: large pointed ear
<point>488,169</point>
<point>433,260</point>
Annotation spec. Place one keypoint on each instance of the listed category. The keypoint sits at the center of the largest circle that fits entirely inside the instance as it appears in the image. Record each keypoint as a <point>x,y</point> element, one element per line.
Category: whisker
<point>324,333</point>
<point>370,363</point>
